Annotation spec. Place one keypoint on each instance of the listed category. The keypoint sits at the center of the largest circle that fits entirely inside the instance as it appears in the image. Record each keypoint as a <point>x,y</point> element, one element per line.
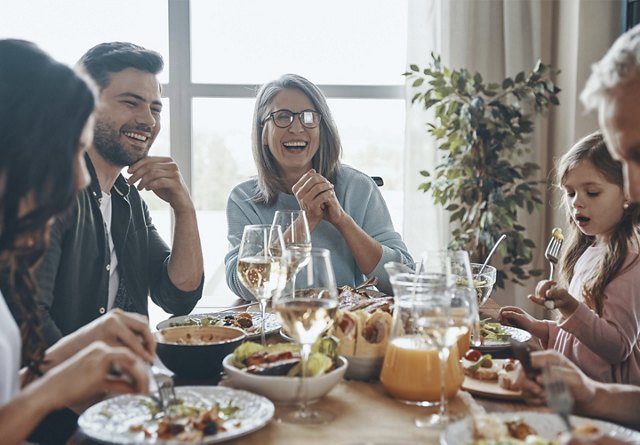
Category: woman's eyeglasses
<point>284,118</point>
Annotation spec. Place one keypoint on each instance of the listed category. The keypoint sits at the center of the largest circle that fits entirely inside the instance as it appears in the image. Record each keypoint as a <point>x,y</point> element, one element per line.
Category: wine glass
<point>297,239</point>
<point>306,312</point>
<point>262,264</point>
<point>465,303</point>
<point>444,313</point>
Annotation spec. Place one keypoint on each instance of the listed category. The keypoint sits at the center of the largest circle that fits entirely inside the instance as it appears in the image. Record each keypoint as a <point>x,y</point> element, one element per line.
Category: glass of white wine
<point>262,264</point>
<point>297,238</point>
<point>307,312</point>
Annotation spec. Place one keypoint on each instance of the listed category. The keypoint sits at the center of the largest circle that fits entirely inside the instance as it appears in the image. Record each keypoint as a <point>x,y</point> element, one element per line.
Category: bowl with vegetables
<point>484,277</point>
<point>274,370</point>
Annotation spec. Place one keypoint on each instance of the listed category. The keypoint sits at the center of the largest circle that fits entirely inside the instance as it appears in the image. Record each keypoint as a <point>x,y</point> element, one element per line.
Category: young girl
<point>599,326</point>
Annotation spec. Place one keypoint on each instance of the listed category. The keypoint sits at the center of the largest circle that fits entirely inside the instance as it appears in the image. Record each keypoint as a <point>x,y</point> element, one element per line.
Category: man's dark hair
<point>112,57</point>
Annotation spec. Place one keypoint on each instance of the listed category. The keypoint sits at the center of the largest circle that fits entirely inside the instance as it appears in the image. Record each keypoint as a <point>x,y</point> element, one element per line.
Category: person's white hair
<point>619,64</point>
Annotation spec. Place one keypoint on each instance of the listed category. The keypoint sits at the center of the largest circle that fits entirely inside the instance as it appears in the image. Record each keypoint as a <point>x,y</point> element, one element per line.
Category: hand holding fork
<point>557,393</point>
<point>166,392</point>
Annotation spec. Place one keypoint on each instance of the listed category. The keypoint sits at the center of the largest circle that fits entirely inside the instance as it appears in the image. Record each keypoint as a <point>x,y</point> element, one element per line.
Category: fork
<point>557,394</point>
<point>552,253</point>
<point>166,390</point>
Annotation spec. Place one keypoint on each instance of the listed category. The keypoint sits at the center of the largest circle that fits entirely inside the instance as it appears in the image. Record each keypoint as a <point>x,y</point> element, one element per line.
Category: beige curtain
<point>499,38</point>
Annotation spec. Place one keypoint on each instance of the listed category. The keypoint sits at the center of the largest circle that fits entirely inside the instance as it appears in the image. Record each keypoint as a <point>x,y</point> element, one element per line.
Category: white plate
<point>495,345</point>
<point>488,388</point>
<point>109,420</point>
<point>271,322</point>
<point>548,426</point>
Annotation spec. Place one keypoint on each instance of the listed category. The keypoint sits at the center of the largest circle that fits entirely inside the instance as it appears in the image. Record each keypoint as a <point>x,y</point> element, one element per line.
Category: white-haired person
<point>613,89</point>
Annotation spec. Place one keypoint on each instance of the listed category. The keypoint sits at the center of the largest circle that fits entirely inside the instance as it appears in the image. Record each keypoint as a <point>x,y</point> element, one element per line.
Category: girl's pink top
<point>606,348</point>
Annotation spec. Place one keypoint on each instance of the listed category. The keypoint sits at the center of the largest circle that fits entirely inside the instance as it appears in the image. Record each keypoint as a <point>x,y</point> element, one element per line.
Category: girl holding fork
<point>598,293</point>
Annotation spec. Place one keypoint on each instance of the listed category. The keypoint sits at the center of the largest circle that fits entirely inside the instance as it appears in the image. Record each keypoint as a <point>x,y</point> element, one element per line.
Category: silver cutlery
<point>166,391</point>
<point>558,394</point>
<point>552,254</point>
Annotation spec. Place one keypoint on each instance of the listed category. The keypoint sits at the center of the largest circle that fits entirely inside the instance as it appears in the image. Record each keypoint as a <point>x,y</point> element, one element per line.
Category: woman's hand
<point>117,328</point>
<point>316,196</point>
<point>515,316</point>
<point>95,371</point>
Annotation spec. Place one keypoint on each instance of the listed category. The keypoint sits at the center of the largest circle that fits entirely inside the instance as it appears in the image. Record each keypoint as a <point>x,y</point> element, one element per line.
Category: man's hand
<point>582,387</point>
<point>161,175</point>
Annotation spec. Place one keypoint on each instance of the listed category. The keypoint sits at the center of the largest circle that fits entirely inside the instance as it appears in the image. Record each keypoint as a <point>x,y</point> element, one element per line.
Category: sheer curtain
<point>499,38</point>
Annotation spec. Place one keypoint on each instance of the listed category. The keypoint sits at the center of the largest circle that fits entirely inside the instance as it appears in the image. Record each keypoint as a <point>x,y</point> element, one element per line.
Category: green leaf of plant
<point>483,132</point>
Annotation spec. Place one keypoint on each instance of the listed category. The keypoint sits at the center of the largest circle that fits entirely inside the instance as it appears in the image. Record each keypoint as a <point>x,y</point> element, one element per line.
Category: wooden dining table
<point>364,414</point>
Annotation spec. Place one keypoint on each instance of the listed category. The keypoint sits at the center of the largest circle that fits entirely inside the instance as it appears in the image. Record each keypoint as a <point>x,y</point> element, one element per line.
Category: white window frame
<point>181,91</point>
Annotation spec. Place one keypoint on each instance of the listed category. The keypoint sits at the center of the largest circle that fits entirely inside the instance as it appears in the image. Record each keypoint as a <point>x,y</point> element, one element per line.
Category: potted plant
<point>482,133</point>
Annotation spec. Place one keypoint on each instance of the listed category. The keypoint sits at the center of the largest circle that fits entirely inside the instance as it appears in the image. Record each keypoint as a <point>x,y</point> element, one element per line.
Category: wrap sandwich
<point>363,334</point>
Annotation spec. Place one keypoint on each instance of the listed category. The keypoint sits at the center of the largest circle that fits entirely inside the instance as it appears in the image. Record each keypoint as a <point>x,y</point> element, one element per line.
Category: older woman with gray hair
<point>297,152</point>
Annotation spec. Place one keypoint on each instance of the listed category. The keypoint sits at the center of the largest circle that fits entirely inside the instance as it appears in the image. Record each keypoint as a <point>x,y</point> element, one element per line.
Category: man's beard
<point>106,141</point>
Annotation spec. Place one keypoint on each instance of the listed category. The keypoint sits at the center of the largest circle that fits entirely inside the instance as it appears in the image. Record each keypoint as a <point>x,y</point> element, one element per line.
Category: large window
<point>216,54</point>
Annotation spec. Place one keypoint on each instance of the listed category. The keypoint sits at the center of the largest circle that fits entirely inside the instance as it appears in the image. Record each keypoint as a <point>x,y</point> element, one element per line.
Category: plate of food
<point>248,321</point>
<point>496,336</point>
<point>526,428</point>
<point>203,414</point>
<point>486,376</point>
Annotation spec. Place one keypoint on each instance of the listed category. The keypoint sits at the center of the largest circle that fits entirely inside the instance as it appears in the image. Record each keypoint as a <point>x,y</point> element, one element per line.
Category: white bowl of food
<point>283,388</point>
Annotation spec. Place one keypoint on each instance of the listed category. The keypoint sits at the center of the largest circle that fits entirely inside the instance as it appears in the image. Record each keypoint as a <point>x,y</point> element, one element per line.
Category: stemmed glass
<point>306,312</point>
<point>444,313</point>
<point>465,304</point>
<point>297,239</point>
<point>262,264</point>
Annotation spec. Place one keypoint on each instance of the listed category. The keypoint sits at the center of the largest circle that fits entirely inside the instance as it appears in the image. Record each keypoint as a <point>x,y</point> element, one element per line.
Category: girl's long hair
<point>592,148</point>
<point>44,107</point>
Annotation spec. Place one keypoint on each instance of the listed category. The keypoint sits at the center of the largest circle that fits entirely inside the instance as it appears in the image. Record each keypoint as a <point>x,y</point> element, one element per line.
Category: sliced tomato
<point>473,355</point>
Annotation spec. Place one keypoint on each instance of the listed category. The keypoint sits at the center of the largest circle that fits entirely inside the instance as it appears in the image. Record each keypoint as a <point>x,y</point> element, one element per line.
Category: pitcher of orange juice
<point>411,368</point>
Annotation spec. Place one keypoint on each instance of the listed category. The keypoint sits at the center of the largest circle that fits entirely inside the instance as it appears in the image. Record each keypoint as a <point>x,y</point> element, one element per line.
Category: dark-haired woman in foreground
<point>45,127</point>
